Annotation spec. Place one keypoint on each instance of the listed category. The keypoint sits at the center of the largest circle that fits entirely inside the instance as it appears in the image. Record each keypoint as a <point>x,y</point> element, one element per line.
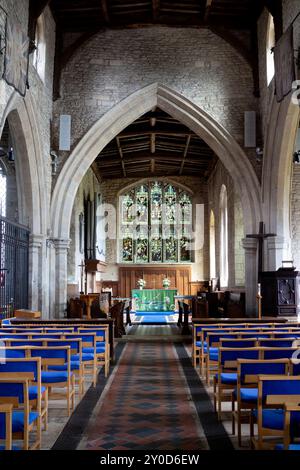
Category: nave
<point>153,400</point>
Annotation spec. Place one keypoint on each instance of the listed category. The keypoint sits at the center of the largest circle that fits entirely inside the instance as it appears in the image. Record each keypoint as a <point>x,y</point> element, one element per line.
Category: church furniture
<point>225,379</point>
<point>289,410</point>
<point>179,275</point>
<point>246,392</point>
<point>199,308</point>
<point>186,312</point>
<point>24,421</point>
<point>247,320</point>
<point>180,313</point>
<point>88,299</point>
<point>116,313</point>
<point>89,359</point>
<point>62,379</point>
<point>275,391</point>
<point>29,368</point>
<point>280,292</point>
<point>75,308</point>
<point>153,300</point>
<point>96,311</point>
<point>234,304</point>
<point>6,426</point>
<point>102,346</point>
<point>71,323</point>
<point>24,313</point>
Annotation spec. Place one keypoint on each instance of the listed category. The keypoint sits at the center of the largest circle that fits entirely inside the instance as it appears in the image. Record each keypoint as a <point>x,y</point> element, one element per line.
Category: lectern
<point>280,292</point>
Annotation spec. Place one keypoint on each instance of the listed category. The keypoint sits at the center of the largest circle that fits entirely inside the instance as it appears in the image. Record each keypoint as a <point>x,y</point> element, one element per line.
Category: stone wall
<point>236,258</point>
<point>193,62</point>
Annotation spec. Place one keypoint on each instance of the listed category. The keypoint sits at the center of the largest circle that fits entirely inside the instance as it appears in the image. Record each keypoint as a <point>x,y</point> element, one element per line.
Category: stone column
<point>277,249</point>
<point>36,273</point>
<point>61,275</point>
<point>250,247</point>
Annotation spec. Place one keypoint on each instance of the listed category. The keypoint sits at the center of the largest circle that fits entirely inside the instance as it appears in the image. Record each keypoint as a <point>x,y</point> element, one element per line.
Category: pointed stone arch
<point>110,125</point>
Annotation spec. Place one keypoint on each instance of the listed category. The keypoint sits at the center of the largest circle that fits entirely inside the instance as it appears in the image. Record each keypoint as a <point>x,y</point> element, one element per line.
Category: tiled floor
<point>148,405</point>
<point>153,399</point>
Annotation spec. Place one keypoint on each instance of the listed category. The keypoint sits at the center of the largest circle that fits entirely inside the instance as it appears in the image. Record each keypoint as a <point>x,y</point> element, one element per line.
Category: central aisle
<point>153,400</point>
<point>147,405</point>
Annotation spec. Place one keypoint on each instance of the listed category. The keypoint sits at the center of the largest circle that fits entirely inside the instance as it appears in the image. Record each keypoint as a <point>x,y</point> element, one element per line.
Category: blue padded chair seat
<point>33,391</point>
<point>291,447</point>
<point>249,395</point>
<point>18,420</point>
<point>272,419</point>
<point>228,378</point>
<point>199,344</point>
<point>49,377</point>
<point>211,349</point>
<point>214,356</point>
<point>85,357</point>
<point>99,350</point>
<point>75,365</point>
<point>12,448</point>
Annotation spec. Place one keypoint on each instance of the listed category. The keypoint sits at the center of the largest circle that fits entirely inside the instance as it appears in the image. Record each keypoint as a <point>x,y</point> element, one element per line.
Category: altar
<point>153,300</point>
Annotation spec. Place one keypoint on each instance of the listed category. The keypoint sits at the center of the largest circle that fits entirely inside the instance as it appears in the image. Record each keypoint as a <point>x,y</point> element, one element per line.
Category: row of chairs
<point>258,370</point>
<point>37,363</point>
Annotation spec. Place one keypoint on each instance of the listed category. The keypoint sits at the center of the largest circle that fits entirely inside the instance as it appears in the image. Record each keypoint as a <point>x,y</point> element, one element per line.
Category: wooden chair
<point>274,391</point>
<point>102,345</point>
<point>15,391</point>
<point>289,409</point>
<point>246,392</point>
<point>225,380</point>
<point>56,356</point>
<point>6,426</point>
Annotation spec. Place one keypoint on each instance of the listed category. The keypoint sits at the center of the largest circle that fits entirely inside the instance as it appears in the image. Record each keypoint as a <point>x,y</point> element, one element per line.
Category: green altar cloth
<point>154,300</point>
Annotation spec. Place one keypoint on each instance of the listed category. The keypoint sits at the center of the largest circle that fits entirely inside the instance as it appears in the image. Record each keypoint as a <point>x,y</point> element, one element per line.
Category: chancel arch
<point>123,114</point>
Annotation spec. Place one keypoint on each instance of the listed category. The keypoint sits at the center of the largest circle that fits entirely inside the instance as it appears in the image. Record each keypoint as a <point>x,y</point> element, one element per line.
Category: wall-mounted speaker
<point>249,129</point>
<point>65,132</point>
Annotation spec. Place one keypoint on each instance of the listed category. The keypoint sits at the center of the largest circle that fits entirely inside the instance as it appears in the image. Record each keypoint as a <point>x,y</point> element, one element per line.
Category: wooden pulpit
<point>280,292</point>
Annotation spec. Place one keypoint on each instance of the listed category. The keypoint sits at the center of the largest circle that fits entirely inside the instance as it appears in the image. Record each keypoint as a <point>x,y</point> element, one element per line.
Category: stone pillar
<point>61,275</point>
<point>277,249</point>
<point>35,272</point>
<point>250,247</point>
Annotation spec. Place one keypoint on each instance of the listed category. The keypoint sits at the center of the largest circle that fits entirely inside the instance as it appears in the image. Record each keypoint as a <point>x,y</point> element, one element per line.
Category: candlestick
<point>258,289</point>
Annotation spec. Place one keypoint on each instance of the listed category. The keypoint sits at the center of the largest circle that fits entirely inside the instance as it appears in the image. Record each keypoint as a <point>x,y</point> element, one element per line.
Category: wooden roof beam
<point>185,154</point>
<point>121,156</point>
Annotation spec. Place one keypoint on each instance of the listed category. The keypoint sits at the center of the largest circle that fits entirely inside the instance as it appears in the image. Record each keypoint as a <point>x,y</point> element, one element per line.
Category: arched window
<point>3,192</point>
<point>212,246</point>
<point>155,224</point>
<point>39,55</point>
<point>270,46</point>
<point>223,237</point>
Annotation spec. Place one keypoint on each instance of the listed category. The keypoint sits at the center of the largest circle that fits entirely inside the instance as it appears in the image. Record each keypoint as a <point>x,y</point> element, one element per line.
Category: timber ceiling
<point>85,15</point>
<point>155,145</point>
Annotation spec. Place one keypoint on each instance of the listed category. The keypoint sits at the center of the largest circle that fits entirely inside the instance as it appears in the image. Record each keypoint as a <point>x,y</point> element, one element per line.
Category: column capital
<point>277,243</point>
<point>61,243</point>
<point>36,241</point>
<point>249,244</point>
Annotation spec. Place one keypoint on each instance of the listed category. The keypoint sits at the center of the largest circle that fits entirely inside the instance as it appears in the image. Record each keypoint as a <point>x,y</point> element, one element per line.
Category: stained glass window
<point>155,224</point>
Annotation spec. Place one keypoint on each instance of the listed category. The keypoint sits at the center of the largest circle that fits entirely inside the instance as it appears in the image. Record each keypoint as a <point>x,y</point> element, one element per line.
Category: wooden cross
<point>82,266</point>
<point>260,236</point>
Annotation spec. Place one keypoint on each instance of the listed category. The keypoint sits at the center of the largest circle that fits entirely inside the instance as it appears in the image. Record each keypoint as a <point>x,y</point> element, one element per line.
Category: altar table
<point>153,300</point>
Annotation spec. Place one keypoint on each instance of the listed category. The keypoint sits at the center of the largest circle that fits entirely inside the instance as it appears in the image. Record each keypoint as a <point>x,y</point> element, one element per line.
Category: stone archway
<point>32,204</point>
<point>277,171</point>
<point>112,123</point>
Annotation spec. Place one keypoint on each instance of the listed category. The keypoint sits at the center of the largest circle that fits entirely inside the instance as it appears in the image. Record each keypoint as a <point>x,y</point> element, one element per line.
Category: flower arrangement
<point>141,283</point>
<point>166,283</point>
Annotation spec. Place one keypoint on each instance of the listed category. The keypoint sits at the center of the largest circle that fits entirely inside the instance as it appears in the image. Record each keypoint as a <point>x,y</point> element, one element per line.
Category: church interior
<point>149,225</point>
